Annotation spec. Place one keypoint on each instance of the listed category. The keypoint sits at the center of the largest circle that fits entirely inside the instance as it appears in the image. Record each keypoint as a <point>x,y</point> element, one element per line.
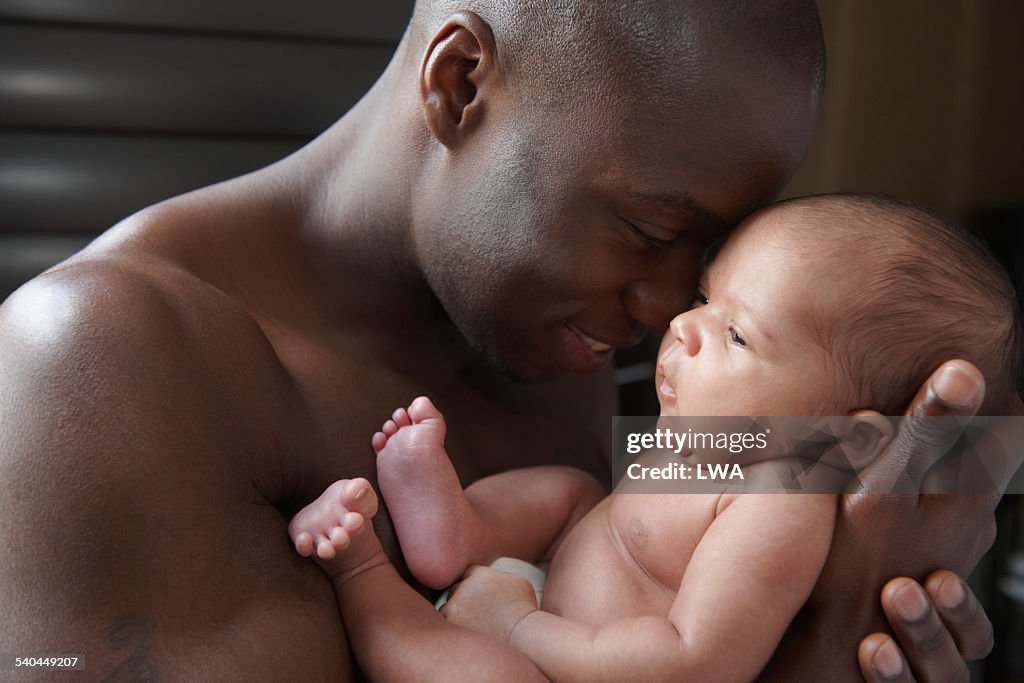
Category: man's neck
<point>350,194</point>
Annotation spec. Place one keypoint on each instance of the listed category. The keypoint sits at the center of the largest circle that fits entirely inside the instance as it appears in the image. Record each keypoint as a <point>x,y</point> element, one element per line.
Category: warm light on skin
<point>43,314</point>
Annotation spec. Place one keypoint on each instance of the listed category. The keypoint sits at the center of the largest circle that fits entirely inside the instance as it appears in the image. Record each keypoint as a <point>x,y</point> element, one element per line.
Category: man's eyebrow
<point>681,202</point>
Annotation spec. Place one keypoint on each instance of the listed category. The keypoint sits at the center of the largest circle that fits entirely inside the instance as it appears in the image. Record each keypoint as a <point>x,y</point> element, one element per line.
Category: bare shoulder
<point>782,510</point>
<point>137,434</point>
<point>109,303</point>
<point>108,349</point>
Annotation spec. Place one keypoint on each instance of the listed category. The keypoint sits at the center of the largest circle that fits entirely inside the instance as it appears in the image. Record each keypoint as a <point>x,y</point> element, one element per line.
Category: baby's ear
<point>863,436</point>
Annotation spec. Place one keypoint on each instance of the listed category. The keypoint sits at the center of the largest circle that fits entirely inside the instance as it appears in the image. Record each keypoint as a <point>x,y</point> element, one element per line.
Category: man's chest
<point>341,397</point>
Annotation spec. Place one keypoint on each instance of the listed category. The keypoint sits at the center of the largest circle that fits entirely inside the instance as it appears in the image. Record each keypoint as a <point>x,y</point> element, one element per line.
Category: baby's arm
<point>396,634</point>
<point>750,574</point>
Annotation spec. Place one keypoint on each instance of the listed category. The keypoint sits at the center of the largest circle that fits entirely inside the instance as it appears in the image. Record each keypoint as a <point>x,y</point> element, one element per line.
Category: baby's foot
<point>333,528</point>
<point>436,526</point>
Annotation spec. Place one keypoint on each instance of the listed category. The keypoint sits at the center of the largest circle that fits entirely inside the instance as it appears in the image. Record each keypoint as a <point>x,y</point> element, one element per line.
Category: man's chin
<point>517,368</point>
<point>519,372</point>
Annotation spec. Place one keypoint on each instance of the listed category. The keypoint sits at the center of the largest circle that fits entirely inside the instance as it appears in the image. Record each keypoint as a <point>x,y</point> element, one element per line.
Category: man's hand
<point>939,624</point>
<point>938,629</point>
<point>490,601</point>
<point>879,537</point>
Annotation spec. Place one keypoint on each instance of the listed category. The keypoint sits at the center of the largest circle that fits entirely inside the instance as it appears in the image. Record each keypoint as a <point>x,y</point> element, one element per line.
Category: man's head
<point>836,304</point>
<point>578,157</point>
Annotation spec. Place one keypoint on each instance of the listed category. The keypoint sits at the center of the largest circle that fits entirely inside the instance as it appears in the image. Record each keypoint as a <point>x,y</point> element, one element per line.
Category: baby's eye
<point>736,338</point>
<point>700,299</point>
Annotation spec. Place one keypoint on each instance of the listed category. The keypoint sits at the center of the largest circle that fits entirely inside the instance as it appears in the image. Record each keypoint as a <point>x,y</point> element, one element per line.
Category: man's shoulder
<point>117,308</point>
<point>145,343</point>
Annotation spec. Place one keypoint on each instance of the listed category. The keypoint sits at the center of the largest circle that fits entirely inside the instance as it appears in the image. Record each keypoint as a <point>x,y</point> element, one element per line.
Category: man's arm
<point>752,570</point>
<point>879,537</point>
<point>135,528</point>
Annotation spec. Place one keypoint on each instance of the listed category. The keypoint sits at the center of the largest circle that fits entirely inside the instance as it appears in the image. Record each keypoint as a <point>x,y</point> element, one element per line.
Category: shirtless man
<point>507,196</point>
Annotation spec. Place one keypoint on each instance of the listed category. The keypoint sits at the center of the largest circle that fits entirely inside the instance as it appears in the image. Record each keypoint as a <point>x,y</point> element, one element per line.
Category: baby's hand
<point>335,522</point>
<point>490,601</point>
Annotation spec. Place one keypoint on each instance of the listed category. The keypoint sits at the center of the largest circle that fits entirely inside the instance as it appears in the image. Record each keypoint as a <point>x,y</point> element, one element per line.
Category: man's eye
<point>647,237</point>
<point>736,338</point>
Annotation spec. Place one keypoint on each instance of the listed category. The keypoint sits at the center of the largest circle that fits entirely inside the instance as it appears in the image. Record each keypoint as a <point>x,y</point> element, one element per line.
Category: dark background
<point>108,106</point>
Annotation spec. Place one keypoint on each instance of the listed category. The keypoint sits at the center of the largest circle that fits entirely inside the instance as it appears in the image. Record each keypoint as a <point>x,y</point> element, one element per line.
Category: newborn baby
<point>831,305</point>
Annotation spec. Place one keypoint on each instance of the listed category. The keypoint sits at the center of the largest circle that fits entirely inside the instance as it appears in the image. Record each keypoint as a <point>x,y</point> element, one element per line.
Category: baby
<point>831,305</point>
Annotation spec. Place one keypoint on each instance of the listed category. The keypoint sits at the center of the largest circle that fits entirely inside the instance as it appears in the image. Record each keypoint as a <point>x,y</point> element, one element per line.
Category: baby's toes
<point>389,428</point>
<point>304,544</point>
<point>339,538</point>
<point>423,409</point>
<point>325,548</point>
<point>353,523</point>
<point>378,441</point>
<point>401,417</point>
<point>358,496</point>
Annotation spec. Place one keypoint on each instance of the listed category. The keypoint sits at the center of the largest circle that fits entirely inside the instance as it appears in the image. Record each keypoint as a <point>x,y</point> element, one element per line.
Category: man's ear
<point>460,56</point>
<point>863,435</point>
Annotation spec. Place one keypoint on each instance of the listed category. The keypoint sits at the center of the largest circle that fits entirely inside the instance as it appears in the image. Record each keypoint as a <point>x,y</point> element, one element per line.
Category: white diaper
<point>531,572</point>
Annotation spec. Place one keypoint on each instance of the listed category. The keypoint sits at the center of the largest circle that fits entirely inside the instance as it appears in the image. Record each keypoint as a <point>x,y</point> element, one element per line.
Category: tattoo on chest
<point>134,634</point>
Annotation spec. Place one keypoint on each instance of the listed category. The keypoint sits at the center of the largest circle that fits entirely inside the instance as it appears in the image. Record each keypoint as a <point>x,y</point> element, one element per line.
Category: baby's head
<point>834,304</point>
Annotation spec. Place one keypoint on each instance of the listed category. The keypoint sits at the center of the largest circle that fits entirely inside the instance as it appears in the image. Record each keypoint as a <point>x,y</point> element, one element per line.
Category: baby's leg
<point>395,633</point>
<point>333,528</point>
<point>443,530</point>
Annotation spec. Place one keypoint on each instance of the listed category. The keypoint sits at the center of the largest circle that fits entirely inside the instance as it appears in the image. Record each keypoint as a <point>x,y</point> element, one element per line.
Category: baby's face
<point>747,346</point>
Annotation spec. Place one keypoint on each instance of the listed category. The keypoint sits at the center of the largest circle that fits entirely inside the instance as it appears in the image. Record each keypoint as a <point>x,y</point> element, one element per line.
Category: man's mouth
<point>592,344</point>
<point>585,354</point>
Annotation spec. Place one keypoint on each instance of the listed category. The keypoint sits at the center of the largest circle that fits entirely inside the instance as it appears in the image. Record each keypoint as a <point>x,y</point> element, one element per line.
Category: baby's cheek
<point>666,341</point>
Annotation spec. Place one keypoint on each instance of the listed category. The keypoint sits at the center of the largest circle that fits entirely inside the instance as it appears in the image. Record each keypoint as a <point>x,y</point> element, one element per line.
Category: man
<point>524,189</point>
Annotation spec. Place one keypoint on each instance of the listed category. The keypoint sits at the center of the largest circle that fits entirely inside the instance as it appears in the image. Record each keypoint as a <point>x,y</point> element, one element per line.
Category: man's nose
<point>660,293</point>
<point>686,330</point>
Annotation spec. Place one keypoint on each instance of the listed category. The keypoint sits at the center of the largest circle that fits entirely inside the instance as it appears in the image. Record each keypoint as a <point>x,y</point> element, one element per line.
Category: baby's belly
<point>626,558</point>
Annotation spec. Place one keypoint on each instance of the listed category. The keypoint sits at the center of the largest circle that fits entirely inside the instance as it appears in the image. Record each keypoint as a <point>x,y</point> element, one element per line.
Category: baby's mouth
<point>665,387</point>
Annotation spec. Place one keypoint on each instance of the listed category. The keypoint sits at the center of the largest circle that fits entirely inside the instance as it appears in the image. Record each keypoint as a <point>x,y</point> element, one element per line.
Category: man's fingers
<point>880,660</point>
<point>960,610</point>
<point>935,420</point>
<point>921,633</point>
<point>956,388</point>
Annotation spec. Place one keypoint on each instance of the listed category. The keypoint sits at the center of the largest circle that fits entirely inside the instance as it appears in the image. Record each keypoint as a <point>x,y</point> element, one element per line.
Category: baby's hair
<point>921,290</point>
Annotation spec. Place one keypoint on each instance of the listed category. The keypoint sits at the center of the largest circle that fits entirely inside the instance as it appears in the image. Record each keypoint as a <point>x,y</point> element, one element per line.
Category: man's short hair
<point>578,46</point>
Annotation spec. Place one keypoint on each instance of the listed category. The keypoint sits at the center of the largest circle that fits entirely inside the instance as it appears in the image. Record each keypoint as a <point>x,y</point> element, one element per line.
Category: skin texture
<point>173,394</point>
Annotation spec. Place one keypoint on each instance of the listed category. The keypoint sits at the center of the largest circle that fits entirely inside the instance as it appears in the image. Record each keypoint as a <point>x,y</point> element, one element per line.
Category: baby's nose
<point>684,328</point>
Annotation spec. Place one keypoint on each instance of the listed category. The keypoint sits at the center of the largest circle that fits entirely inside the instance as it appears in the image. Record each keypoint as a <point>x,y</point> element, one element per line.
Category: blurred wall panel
<point>356,20</point>
<point>108,106</point>
<point>56,183</point>
<point>93,79</point>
